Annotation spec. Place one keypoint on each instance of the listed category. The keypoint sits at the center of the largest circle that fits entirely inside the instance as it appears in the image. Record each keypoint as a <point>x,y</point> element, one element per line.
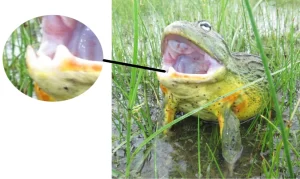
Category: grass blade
<point>132,94</point>
<point>272,89</point>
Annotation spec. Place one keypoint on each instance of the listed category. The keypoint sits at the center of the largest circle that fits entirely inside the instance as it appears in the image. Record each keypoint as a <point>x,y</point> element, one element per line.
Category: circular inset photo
<point>53,58</point>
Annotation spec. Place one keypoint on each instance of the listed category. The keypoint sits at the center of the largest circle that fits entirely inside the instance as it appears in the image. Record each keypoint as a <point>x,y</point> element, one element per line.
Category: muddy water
<point>176,156</point>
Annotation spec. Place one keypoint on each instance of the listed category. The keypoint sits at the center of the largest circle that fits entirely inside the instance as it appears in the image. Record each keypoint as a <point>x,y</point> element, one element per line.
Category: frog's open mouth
<point>79,40</point>
<point>68,61</point>
<point>183,56</point>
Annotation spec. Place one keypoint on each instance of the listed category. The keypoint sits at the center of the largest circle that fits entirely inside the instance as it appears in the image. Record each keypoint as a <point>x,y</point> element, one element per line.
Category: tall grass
<point>14,55</point>
<point>137,100</point>
<point>272,88</point>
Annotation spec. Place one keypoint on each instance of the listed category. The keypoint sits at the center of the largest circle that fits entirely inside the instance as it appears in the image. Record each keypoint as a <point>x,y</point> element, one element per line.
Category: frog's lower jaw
<point>63,77</point>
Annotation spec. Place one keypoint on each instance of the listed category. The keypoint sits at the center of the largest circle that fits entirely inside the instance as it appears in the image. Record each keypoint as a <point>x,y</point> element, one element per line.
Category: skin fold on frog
<point>68,61</point>
<point>200,68</point>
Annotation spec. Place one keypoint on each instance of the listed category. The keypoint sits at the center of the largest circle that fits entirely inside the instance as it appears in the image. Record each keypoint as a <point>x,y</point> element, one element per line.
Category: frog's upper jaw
<point>182,59</point>
<point>78,38</point>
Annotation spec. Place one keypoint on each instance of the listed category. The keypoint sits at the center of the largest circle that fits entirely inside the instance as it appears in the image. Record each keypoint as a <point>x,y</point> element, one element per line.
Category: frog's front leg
<point>231,138</point>
<point>170,108</point>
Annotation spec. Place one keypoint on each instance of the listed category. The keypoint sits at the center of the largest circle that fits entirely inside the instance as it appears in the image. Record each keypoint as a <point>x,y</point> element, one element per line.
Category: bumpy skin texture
<point>186,92</point>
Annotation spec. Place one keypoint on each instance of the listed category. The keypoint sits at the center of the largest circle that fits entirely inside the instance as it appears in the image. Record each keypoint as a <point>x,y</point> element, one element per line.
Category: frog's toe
<point>231,155</point>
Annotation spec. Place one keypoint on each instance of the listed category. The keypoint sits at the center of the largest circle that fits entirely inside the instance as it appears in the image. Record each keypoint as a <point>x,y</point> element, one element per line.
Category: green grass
<point>137,108</point>
<point>272,88</point>
<point>14,55</point>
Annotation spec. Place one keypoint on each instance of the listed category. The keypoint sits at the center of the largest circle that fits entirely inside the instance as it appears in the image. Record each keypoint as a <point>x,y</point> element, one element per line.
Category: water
<point>177,155</point>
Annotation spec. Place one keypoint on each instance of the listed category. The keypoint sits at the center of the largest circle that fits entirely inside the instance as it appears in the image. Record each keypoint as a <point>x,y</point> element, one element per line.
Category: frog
<point>200,68</point>
<point>68,60</point>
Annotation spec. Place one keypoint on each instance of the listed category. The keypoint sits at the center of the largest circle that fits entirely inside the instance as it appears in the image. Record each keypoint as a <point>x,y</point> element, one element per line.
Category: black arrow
<point>133,65</point>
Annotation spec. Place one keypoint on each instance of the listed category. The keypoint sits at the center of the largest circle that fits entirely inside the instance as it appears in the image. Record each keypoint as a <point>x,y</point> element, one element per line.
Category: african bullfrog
<point>200,68</point>
<point>68,61</point>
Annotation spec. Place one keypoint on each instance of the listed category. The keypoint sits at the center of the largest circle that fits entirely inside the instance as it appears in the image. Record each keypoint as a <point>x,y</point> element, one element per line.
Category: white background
<point>70,139</point>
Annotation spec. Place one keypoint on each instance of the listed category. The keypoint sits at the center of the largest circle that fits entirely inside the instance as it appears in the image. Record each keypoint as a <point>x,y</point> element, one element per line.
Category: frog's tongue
<point>78,38</point>
<point>185,57</point>
<point>186,64</point>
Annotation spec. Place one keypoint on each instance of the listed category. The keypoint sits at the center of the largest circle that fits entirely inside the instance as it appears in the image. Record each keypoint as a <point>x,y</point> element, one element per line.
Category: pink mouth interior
<point>185,57</point>
<point>78,38</point>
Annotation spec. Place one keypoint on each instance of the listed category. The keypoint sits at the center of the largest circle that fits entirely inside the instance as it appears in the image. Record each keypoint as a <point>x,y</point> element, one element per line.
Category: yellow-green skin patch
<point>186,97</point>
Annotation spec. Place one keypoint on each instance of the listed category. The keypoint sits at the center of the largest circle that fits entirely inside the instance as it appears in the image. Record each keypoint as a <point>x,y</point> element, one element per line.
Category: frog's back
<point>248,66</point>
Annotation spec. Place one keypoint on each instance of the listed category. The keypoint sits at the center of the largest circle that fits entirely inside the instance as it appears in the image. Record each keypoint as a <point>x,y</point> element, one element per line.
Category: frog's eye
<point>205,25</point>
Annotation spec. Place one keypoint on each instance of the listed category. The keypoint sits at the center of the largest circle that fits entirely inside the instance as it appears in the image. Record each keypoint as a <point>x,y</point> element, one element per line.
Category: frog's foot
<point>68,61</point>
<point>231,165</point>
<point>231,138</point>
<point>170,107</point>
